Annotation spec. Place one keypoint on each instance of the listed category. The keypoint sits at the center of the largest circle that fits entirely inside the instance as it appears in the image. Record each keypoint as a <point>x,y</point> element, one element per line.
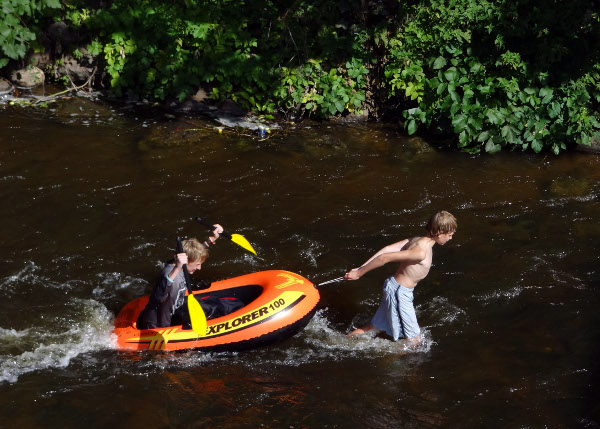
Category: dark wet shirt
<point>165,299</point>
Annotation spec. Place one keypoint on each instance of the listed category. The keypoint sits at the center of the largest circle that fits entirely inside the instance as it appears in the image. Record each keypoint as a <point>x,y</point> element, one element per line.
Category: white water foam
<point>33,276</point>
<point>318,342</point>
<point>114,282</point>
<point>442,311</point>
<point>55,349</point>
<point>11,336</point>
<point>492,297</point>
<point>7,178</point>
<point>329,342</point>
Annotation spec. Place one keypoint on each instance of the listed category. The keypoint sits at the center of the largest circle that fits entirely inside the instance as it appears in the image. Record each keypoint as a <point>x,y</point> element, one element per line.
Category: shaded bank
<point>490,75</point>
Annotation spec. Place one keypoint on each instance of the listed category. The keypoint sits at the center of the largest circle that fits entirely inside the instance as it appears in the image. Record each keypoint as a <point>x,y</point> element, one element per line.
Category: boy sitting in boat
<point>396,313</point>
<point>168,295</point>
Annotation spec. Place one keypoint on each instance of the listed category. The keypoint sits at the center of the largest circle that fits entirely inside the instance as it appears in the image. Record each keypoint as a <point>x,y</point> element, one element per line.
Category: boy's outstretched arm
<point>412,256</point>
<point>396,247</point>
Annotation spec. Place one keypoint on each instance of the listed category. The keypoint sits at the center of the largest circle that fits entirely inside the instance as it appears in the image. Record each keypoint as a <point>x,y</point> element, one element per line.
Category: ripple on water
<point>495,295</point>
<point>27,275</point>
<point>110,283</point>
<point>442,311</point>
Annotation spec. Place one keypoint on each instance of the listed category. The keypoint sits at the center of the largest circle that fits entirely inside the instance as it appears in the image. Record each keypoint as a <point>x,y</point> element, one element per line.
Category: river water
<point>93,197</point>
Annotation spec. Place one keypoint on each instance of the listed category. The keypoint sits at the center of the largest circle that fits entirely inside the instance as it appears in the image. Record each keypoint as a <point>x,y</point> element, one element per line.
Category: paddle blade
<point>241,241</point>
<point>197,316</point>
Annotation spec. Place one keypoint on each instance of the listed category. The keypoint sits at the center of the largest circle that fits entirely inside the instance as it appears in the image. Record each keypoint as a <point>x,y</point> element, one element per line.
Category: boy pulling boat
<point>396,313</point>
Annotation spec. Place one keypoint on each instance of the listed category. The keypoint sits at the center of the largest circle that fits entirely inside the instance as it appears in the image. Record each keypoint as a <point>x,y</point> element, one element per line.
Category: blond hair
<point>441,223</point>
<point>195,250</point>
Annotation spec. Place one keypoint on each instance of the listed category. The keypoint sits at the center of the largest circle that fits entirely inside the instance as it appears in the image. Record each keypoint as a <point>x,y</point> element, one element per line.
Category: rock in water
<point>29,77</point>
<point>5,86</point>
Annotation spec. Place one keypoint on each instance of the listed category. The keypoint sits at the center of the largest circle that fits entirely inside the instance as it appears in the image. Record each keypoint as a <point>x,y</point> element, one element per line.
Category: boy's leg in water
<point>363,330</point>
<point>410,343</point>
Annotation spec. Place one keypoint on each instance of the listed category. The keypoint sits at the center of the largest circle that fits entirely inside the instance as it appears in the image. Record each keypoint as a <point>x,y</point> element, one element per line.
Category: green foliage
<point>323,92</point>
<point>17,26</point>
<point>160,50</point>
<point>494,75</point>
<point>499,75</point>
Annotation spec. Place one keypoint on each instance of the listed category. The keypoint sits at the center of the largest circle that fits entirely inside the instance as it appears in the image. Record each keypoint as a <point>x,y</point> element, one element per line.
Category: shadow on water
<point>94,196</point>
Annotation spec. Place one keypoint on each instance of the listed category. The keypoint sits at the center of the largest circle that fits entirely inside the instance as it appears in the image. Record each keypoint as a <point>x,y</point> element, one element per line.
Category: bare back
<point>410,273</point>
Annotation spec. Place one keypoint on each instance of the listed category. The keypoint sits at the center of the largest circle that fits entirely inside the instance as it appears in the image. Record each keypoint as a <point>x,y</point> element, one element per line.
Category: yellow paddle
<point>238,239</point>
<point>197,316</point>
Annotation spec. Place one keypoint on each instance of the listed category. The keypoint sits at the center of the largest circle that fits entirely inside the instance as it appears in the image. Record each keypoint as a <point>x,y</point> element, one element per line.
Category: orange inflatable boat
<point>278,304</point>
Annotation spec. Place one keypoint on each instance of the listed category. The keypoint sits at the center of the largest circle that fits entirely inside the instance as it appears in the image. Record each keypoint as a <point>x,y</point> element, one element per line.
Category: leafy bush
<point>499,74</point>
<point>495,75</point>
<point>159,50</point>
<point>18,27</point>
<point>326,93</point>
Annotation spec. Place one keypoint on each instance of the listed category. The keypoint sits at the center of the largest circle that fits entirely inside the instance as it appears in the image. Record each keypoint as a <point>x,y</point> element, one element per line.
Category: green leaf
<point>554,110</point>
<point>492,148</point>
<point>476,68</point>
<point>523,97</point>
<point>455,97</point>
<point>412,127</point>
<point>539,125</point>
<point>509,133</point>
<point>484,89</point>
<point>495,117</point>
<point>451,74</point>
<point>537,146</point>
<point>476,123</point>
<point>454,109</point>
<point>459,123</point>
<point>5,30</point>
<point>439,63</point>
<point>10,51</point>
<point>547,98</point>
<point>463,139</point>
<point>585,139</point>
<point>54,4</point>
